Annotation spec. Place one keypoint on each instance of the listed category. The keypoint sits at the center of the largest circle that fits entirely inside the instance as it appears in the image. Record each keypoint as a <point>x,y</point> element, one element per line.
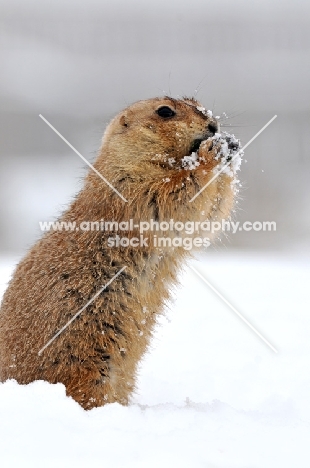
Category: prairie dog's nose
<point>213,126</point>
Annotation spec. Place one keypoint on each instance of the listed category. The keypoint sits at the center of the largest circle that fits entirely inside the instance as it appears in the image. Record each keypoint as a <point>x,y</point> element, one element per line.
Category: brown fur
<point>97,355</point>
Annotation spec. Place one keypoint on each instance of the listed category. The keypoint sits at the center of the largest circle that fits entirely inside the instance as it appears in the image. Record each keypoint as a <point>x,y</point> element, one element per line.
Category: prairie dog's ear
<point>123,120</point>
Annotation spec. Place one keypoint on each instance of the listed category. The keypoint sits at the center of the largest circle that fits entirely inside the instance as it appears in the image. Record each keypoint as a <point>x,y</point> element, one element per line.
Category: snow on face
<point>190,162</point>
<point>204,111</point>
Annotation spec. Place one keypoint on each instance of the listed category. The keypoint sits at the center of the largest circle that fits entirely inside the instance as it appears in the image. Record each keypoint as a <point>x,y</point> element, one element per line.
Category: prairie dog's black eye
<point>165,112</point>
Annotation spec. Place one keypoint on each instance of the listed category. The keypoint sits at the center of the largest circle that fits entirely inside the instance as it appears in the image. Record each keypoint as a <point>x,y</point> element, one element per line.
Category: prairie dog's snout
<point>212,127</point>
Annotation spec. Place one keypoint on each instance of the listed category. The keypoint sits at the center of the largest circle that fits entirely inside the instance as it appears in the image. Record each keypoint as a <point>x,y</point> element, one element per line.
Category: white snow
<point>210,392</point>
<point>204,111</point>
<point>190,162</point>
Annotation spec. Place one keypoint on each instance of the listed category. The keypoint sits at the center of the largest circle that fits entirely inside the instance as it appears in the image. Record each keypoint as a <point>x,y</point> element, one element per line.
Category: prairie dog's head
<point>156,131</point>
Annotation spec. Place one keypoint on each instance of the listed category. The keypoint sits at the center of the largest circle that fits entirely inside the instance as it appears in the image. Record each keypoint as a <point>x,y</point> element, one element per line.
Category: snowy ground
<point>210,393</point>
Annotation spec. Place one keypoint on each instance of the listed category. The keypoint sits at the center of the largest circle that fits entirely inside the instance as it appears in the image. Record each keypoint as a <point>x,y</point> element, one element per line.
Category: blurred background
<point>79,63</point>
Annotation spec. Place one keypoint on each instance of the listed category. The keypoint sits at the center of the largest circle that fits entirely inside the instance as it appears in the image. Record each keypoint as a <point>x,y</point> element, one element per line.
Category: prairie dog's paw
<point>230,153</point>
<point>208,151</point>
<point>205,158</point>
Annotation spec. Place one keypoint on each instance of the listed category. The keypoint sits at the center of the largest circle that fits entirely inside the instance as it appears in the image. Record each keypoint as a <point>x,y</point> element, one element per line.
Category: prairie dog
<point>158,154</point>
